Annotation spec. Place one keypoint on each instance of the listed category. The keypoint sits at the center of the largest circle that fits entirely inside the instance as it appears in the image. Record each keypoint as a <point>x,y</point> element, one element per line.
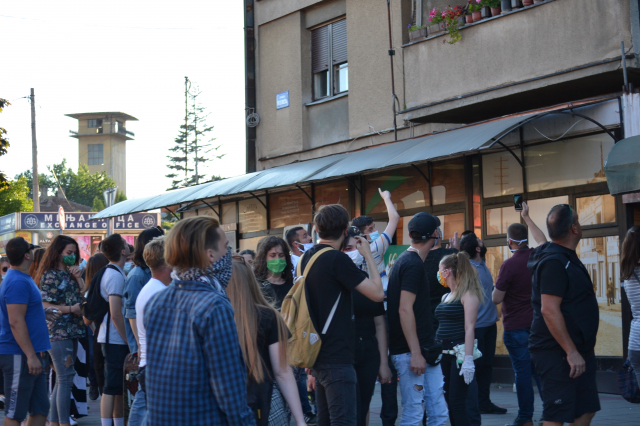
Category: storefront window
<point>289,208</point>
<point>447,182</point>
<point>476,201</point>
<point>498,220</point>
<point>495,258</point>
<point>538,211</point>
<point>229,213</point>
<point>252,215</point>
<point>451,223</point>
<point>572,162</point>
<point>332,193</point>
<point>408,188</point>
<point>600,256</point>
<point>501,175</point>
<point>596,210</point>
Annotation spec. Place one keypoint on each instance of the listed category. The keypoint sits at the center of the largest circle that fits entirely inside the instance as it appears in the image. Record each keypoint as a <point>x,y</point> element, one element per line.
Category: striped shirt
<point>378,249</point>
<point>632,288</point>
<point>451,322</point>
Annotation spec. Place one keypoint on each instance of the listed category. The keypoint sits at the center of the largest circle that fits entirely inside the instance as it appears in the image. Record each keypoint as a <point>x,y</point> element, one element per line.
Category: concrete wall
<point>551,37</point>
<point>119,156</point>
<point>328,122</point>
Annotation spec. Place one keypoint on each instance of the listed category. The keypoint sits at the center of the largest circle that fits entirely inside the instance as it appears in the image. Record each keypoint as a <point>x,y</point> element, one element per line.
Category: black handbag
<point>433,354</point>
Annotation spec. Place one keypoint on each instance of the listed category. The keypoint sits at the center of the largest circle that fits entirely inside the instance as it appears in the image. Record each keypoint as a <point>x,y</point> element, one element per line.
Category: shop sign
<point>8,223</point>
<point>82,221</point>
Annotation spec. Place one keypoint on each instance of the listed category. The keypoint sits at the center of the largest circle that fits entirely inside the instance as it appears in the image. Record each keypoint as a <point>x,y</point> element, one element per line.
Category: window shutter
<point>339,42</point>
<point>320,49</point>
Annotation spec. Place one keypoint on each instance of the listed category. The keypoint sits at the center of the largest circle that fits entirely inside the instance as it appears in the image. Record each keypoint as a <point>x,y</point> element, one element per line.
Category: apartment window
<point>96,157</point>
<point>329,59</point>
<point>95,123</point>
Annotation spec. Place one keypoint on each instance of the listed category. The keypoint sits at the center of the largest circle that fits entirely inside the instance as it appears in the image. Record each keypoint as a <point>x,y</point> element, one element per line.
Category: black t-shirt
<point>333,274</point>
<point>409,274</point>
<point>365,310</point>
<point>275,293</point>
<point>436,290</point>
<point>570,280</point>
<point>267,336</point>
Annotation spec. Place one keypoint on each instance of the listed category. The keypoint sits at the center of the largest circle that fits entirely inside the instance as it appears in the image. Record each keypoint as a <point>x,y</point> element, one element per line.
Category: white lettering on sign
<point>48,218</point>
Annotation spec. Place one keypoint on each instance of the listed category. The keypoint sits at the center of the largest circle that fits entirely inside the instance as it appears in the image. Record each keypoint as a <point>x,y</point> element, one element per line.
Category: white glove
<point>468,369</point>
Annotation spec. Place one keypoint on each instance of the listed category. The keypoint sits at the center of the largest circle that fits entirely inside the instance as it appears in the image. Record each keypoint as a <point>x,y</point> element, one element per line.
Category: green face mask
<point>69,260</point>
<point>276,265</point>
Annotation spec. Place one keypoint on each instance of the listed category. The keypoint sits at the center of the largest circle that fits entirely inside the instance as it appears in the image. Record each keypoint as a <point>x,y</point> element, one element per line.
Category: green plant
<point>413,28</point>
<point>474,6</point>
<point>452,24</point>
<point>491,3</point>
<point>436,16</point>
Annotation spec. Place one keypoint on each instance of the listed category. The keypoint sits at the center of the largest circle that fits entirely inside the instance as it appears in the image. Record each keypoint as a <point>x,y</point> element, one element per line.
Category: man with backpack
<point>110,281</point>
<point>328,284</point>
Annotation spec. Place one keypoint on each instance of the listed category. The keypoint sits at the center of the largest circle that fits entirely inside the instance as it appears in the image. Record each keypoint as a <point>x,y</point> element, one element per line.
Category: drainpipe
<point>393,86</point>
<point>250,82</point>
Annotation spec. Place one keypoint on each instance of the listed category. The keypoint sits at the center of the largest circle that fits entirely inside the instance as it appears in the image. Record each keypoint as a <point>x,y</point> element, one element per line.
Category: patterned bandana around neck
<point>217,274</point>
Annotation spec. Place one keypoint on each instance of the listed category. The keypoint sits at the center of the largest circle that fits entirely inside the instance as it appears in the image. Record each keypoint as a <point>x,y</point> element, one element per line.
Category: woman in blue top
<point>61,287</point>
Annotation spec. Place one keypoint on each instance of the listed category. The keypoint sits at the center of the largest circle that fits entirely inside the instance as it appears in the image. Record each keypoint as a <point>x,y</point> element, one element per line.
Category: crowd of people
<point>206,336</point>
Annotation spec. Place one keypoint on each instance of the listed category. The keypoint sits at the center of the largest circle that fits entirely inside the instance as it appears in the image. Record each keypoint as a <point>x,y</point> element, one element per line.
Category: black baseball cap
<point>422,225</point>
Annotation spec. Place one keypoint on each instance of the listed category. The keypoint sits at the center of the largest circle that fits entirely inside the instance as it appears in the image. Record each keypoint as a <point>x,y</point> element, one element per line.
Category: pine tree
<point>193,146</point>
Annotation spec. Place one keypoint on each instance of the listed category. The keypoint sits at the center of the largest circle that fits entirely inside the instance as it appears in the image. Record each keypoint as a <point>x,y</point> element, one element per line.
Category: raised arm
<point>394,217</point>
<point>537,233</point>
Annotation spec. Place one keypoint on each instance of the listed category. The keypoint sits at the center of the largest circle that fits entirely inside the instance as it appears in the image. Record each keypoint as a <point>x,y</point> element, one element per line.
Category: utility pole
<point>34,156</point>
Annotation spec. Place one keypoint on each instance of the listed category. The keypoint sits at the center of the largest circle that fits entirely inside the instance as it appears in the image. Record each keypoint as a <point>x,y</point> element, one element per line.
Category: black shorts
<point>566,399</point>
<point>114,356</point>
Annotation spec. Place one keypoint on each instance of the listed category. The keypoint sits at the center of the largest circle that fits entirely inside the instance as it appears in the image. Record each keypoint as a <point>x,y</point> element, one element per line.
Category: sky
<point>129,56</point>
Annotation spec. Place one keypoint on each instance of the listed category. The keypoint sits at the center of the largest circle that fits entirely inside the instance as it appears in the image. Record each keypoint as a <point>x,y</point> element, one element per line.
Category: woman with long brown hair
<point>263,338</point>
<point>457,316</point>
<point>38,254</point>
<point>62,286</point>
<point>630,272</point>
<point>273,269</point>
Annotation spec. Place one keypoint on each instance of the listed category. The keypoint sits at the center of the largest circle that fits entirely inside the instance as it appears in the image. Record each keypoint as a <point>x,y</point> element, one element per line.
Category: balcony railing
<point>124,132</point>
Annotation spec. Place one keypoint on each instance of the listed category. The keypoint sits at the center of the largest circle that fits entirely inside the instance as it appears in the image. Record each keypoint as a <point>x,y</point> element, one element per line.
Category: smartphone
<point>517,202</point>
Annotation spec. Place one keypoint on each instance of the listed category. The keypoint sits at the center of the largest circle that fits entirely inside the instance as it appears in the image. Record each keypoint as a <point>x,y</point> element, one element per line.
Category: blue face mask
<point>374,236</point>
<point>127,267</point>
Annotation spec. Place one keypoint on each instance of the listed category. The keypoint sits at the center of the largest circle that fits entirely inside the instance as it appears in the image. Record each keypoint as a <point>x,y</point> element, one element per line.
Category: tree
<point>82,187</point>
<point>192,145</point>
<point>98,204</point>
<point>14,197</point>
<point>4,145</point>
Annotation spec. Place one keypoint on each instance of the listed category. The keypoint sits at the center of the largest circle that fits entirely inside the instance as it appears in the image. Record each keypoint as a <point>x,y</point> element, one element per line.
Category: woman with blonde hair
<point>457,316</point>
<point>263,338</point>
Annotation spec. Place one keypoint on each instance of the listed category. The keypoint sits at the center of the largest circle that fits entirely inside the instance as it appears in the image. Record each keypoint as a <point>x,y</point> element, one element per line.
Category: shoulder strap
<point>311,261</point>
<point>333,311</point>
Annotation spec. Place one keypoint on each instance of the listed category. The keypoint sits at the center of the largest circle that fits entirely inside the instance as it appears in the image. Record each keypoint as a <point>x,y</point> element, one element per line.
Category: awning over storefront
<point>470,138</point>
<point>622,166</point>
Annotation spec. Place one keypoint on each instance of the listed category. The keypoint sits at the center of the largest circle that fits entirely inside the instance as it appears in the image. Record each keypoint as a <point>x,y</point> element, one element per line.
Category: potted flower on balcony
<point>494,5</point>
<point>417,32</point>
<point>436,22</point>
<point>453,20</point>
<point>475,9</point>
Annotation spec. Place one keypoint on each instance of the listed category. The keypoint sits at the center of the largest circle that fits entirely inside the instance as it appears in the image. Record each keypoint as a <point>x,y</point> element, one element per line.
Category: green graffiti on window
<point>389,183</point>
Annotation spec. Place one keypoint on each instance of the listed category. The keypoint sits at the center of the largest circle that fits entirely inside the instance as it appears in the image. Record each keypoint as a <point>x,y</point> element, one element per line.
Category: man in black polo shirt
<point>411,329</point>
<point>565,323</point>
<point>329,284</point>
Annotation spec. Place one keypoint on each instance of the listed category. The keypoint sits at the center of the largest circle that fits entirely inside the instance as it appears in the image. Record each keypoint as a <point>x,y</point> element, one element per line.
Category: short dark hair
<point>249,252</point>
<point>362,222</point>
<point>330,221</point>
<point>112,247</point>
<point>559,221</point>
<point>467,232</point>
<point>16,249</point>
<point>142,240</point>
<point>292,234</point>
<point>469,243</point>
<point>517,232</point>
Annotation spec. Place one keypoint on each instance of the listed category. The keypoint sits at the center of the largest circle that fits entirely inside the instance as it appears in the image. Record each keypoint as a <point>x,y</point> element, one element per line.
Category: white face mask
<point>515,241</point>
<point>128,267</point>
<point>355,256</point>
<point>305,247</point>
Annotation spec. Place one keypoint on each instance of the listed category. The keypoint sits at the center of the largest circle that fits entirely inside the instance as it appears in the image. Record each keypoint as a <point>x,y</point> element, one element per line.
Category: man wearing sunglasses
<point>23,336</point>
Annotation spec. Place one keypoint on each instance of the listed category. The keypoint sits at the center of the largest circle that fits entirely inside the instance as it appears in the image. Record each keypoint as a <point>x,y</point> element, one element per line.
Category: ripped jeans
<point>416,390</point>
<point>63,355</point>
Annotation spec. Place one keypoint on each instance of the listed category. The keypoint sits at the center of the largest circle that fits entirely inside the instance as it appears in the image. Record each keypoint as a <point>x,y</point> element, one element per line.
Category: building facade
<point>102,139</point>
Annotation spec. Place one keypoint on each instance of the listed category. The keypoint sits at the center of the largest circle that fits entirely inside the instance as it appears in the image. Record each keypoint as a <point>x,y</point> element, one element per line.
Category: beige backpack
<point>305,342</point>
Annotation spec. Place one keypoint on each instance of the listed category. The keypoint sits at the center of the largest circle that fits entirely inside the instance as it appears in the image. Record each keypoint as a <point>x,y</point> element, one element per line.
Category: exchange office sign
<point>82,221</point>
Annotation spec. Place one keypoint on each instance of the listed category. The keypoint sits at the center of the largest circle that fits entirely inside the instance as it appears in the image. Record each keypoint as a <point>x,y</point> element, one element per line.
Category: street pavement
<point>615,410</point>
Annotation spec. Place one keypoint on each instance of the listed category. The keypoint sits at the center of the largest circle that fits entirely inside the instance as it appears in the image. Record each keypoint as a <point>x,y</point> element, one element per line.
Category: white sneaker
<point>72,421</point>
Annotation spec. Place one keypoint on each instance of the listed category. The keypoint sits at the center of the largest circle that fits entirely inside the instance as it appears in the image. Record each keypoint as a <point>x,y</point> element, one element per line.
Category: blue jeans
<point>428,388</point>
<point>63,355</point>
<point>138,411</point>
<point>336,394</point>
<point>517,343</point>
<point>301,381</point>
